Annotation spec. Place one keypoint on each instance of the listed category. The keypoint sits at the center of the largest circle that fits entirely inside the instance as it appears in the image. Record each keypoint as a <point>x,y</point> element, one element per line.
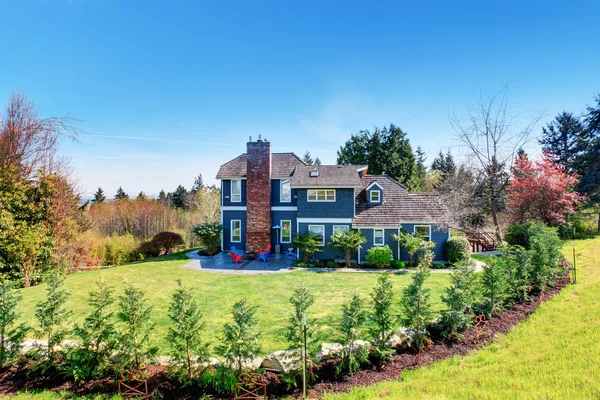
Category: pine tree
<point>141,196</point>
<point>353,321</point>
<point>317,161</point>
<point>240,339</point>
<point>564,138</point>
<point>97,336</point>
<point>381,315</point>
<point>121,194</point>
<point>178,197</point>
<point>307,158</point>
<point>188,350</point>
<point>415,302</point>
<point>162,196</point>
<point>459,298</point>
<point>198,184</point>
<point>99,196</point>
<point>301,300</point>
<point>135,312</point>
<point>11,336</point>
<point>494,287</point>
<point>444,163</point>
<point>52,316</point>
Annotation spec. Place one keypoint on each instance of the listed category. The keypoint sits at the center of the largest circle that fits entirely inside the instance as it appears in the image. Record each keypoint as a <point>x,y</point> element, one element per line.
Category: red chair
<point>236,257</point>
<point>265,249</point>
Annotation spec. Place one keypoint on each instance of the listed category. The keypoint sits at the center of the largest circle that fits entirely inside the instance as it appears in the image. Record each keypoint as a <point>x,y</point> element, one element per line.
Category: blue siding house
<point>267,198</point>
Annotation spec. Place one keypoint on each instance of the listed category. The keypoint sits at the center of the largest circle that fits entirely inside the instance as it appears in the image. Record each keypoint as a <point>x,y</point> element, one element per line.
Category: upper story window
<point>423,231</point>
<point>375,196</point>
<point>236,191</point>
<point>321,195</point>
<point>285,195</point>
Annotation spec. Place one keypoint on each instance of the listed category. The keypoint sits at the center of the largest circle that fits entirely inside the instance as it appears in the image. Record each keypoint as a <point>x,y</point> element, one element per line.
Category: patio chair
<point>290,252</point>
<point>268,248</point>
<point>264,256</point>
<point>236,257</point>
<point>236,251</point>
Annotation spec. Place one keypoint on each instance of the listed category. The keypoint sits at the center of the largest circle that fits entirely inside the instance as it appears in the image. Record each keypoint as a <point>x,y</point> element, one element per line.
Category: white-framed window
<point>236,231</point>
<point>375,196</point>
<point>337,229</point>
<point>378,237</point>
<point>321,194</point>
<point>285,193</point>
<point>319,232</point>
<point>236,191</point>
<point>423,231</point>
<point>286,231</point>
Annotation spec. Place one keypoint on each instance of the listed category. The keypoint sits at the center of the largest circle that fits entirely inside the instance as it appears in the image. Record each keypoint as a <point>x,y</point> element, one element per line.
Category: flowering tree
<point>542,190</point>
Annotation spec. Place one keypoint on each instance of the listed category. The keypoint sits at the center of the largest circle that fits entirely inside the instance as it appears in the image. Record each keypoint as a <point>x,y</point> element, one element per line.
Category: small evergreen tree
<point>188,350</point>
<point>381,315</point>
<point>241,341</point>
<point>347,242</point>
<point>301,300</point>
<point>98,337</point>
<point>493,282</point>
<point>353,320</point>
<point>307,243</point>
<point>135,312</point>
<point>120,195</point>
<point>52,317</point>
<point>99,196</point>
<point>518,273</point>
<point>459,298</point>
<point>11,336</point>
<point>415,302</point>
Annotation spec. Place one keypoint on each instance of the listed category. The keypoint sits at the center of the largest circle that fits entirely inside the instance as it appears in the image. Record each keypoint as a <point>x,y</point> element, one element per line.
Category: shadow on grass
<point>181,255</point>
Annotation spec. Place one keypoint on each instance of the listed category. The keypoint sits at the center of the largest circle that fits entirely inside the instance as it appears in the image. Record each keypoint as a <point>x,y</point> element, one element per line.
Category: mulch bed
<point>16,378</point>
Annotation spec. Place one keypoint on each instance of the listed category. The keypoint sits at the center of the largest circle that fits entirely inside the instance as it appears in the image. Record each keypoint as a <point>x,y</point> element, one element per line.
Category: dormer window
<point>374,193</point>
<point>314,173</point>
<point>375,196</point>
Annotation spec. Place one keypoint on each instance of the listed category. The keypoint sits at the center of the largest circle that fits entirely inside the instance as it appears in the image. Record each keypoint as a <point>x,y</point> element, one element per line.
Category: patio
<point>221,263</point>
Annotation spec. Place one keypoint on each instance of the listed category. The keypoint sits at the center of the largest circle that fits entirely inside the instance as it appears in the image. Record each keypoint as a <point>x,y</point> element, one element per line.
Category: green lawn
<point>216,293</point>
<point>555,354</point>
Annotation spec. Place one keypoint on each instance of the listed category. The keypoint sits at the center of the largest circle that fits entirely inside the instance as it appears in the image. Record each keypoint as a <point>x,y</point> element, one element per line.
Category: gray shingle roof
<point>329,175</point>
<point>398,206</point>
<point>282,164</point>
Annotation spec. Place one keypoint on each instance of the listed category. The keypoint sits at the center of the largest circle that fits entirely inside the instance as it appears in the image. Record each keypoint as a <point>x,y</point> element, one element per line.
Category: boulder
<point>283,361</point>
<point>406,335</point>
<point>249,363</point>
<point>329,351</point>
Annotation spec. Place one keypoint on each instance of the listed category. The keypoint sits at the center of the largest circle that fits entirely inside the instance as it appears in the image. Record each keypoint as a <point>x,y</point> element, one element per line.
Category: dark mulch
<point>17,378</point>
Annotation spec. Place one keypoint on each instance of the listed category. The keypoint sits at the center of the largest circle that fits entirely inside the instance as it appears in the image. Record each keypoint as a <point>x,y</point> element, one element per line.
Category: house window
<point>321,195</point>
<point>375,196</point>
<point>337,229</point>
<point>236,231</point>
<point>423,231</point>
<point>286,231</point>
<point>319,232</point>
<point>236,191</point>
<point>378,238</point>
<point>285,195</point>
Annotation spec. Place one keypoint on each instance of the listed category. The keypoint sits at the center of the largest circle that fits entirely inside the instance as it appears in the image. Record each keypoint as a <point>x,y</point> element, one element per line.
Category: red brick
<point>258,195</point>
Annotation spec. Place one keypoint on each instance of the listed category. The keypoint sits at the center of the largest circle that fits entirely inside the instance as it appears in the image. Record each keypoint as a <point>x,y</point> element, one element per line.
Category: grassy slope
<point>555,354</point>
<point>217,292</point>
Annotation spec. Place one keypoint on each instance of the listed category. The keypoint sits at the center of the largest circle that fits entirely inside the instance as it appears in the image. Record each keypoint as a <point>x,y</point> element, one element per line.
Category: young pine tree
<point>353,320</point>
<point>415,302</point>
<point>494,287</point>
<point>241,341</point>
<point>135,312</point>
<point>52,317</point>
<point>188,350</point>
<point>459,299</point>
<point>301,300</point>
<point>518,273</point>
<point>381,315</point>
<point>11,336</point>
<point>97,336</point>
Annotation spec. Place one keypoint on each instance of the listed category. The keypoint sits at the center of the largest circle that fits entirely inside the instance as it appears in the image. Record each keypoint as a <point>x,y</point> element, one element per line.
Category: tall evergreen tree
<point>564,137</point>
<point>99,196</point>
<point>141,196</point>
<point>307,158</point>
<point>120,195</point>
<point>445,164</point>
<point>162,196</point>
<point>198,184</point>
<point>386,150</point>
<point>179,196</point>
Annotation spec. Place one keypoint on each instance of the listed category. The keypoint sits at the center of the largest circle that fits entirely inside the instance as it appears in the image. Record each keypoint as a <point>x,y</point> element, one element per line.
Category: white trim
<point>383,237</point>
<point>222,235</point>
<point>345,226</point>
<point>374,183</point>
<point>360,247</point>
<point>231,191</point>
<point>394,226</point>
<point>281,190</point>
<point>317,196</point>
<point>231,232</point>
<point>362,168</point>
<point>371,196</point>
<point>373,227</point>
<point>322,226</point>
<point>297,231</point>
<point>275,178</point>
<point>325,220</point>
<point>324,187</point>
<point>422,226</point>
<point>281,231</point>
<point>233,208</point>
<point>284,208</point>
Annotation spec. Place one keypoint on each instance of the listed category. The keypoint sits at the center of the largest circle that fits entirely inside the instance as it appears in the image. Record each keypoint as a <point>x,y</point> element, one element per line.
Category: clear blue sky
<point>171,89</point>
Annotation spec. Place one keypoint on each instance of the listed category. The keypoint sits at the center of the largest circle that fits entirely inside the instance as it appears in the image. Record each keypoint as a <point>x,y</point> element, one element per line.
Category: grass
<point>216,293</point>
<point>555,354</point>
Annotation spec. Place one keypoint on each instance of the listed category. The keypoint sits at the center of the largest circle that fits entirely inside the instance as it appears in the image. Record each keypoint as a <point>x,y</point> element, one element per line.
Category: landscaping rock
<point>283,361</point>
<point>329,351</point>
<point>250,363</point>
<point>406,335</point>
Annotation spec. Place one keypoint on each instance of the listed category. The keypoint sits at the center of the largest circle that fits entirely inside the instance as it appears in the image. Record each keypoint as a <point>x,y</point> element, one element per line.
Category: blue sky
<point>171,89</point>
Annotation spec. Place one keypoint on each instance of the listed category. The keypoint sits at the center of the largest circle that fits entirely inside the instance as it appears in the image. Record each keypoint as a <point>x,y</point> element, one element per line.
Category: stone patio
<point>222,263</point>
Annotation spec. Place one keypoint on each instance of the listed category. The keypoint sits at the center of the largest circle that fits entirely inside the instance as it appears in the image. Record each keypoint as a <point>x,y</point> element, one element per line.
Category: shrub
<point>399,264</point>
<point>415,303</point>
<point>494,286</point>
<point>11,336</point>
<point>168,241</point>
<point>209,235</point>
<point>117,249</point>
<point>458,249</point>
<point>149,249</point>
<point>439,265</point>
<point>353,320</point>
<point>518,273</point>
<point>332,264</point>
<point>221,380</point>
<point>381,315</point>
<point>458,298</point>
<point>380,256</point>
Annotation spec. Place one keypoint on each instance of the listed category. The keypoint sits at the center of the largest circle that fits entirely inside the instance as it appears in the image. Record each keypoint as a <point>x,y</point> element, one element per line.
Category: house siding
<point>227,217</point>
<point>226,194</point>
<point>439,236</point>
<point>276,217</point>
<point>388,236</point>
<point>276,195</point>
<point>342,207</point>
<point>328,253</point>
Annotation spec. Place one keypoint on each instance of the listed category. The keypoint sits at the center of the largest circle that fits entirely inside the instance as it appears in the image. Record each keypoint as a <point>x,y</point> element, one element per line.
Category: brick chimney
<point>258,195</point>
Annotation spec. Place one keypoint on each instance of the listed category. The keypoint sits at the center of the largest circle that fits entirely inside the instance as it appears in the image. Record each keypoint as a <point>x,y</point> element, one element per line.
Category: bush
<point>459,298</point>
<point>439,265</point>
<point>116,249</point>
<point>149,249</point>
<point>457,249</point>
<point>209,235</point>
<point>380,256</point>
<point>168,241</point>
<point>399,264</point>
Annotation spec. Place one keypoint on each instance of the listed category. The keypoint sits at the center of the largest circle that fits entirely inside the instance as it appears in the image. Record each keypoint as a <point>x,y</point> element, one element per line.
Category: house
<point>269,197</point>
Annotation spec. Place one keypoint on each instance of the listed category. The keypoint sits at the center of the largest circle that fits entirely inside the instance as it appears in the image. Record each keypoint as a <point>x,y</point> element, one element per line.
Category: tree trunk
<point>348,264</point>
<point>495,219</point>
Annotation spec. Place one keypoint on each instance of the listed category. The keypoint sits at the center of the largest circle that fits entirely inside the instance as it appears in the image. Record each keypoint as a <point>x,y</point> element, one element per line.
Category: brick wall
<point>258,195</point>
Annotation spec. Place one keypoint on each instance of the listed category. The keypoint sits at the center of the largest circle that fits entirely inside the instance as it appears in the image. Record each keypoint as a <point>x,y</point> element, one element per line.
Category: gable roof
<point>282,164</point>
<point>329,176</point>
<point>398,205</point>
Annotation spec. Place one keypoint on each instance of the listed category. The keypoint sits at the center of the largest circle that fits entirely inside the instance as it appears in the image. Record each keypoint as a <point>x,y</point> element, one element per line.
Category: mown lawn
<point>216,293</point>
<point>555,354</point>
